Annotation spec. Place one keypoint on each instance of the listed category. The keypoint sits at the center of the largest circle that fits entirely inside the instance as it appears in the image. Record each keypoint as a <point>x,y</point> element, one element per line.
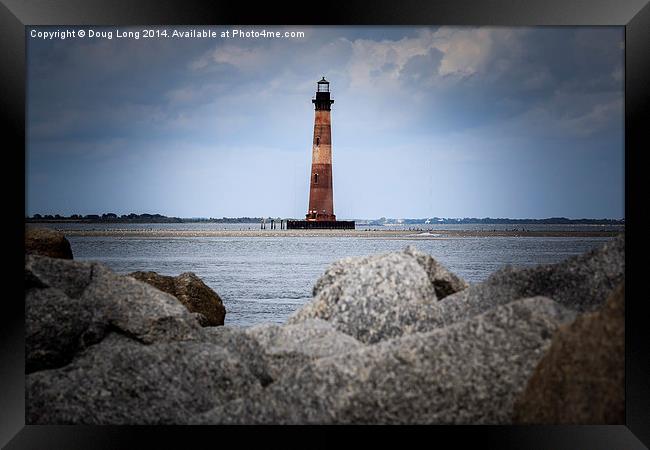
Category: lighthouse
<point>320,212</point>
<point>321,194</point>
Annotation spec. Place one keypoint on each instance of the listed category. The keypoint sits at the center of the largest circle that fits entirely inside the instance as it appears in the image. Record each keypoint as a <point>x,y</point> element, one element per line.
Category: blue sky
<point>447,122</point>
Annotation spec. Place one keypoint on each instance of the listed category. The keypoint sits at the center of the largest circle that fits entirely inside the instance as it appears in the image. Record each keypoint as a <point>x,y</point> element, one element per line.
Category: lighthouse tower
<point>320,214</point>
<point>321,196</point>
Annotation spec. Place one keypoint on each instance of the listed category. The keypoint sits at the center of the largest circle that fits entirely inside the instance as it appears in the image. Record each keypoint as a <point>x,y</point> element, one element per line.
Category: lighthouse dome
<point>323,85</point>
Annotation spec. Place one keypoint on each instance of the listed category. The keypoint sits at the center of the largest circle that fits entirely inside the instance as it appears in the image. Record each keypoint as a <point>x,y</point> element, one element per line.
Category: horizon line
<point>118,216</point>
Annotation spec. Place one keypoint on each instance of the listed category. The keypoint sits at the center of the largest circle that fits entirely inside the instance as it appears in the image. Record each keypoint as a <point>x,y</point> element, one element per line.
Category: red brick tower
<point>321,196</point>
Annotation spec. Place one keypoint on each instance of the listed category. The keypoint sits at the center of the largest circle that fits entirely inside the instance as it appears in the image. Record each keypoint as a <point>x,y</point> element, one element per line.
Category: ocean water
<point>265,279</point>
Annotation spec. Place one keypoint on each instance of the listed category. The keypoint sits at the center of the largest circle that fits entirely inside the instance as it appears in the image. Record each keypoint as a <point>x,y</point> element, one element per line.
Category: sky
<point>427,122</point>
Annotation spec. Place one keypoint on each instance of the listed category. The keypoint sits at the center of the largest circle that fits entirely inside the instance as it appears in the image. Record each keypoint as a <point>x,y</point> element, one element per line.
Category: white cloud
<point>235,55</point>
<point>378,64</point>
<point>466,51</point>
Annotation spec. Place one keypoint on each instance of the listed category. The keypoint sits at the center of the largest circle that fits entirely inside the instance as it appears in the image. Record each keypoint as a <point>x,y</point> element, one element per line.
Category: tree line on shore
<point>135,218</point>
<point>159,218</point>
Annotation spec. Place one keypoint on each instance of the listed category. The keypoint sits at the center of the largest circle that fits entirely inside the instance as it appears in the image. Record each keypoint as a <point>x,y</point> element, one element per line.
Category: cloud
<point>240,57</point>
<point>454,76</point>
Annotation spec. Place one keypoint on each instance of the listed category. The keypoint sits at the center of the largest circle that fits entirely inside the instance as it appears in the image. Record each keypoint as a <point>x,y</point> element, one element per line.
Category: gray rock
<point>46,242</point>
<point>70,305</point>
<point>444,282</point>
<point>244,347</point>
<point>138,309</point>
<point>191,291</point>
<point>289,346</point>
<point>54,328</point>
<point>381,296</point>
<point>468,373</point>
<point>270,350</point>
<point>581,283</point>
<point>108,349</point>
<point>122,381</point>
<point>71,277</point>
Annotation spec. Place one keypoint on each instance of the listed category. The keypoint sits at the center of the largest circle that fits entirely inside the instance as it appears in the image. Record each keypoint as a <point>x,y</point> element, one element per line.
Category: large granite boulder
<point>379,297</point>
<point>245,347</point>
<point>47,242</point>
<point>444,282</point>
<point>468,373</point>
<point>104,348</point>
<point>581,379</point>
<point>71,305</point>
<point>191,291</point>
<point>581,283</point>
<point>123,381</point>
<point>288,346</point>
<point>270,350</point>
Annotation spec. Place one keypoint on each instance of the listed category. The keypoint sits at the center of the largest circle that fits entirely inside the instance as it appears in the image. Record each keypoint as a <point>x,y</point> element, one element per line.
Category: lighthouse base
<point>320,225</point>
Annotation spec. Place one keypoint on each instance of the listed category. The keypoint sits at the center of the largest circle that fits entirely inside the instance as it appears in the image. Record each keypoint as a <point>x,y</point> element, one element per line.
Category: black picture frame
<point>15,15</point>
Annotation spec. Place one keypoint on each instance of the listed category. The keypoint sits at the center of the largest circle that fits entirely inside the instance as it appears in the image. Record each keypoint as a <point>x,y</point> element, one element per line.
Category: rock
<point>444,282</point>
<point>46,242</point>
<point>191,291</point>
<point>581,283</point>
<point>381,296</point>
<point>71,305</point>
<point>70,277</point>
<point>122,381</point>
<point>107,349</point>
<point>293,345</point>
<point>244,347</point>
<point>54,328</point>
<point>201,319</point>
<point>270,350</point>
<point>468,373</point>
<point>581,379</point>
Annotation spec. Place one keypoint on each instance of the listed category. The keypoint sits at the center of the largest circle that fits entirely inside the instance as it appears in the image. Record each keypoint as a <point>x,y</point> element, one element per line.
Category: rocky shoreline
<point>391,338</point>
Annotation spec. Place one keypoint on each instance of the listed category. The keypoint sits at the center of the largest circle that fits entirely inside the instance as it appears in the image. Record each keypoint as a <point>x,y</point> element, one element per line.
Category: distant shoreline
<point>382,234</point>
<point>160,219</point>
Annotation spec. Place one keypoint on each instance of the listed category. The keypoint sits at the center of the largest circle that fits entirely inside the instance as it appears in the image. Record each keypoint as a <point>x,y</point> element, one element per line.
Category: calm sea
<point>265,279</point>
